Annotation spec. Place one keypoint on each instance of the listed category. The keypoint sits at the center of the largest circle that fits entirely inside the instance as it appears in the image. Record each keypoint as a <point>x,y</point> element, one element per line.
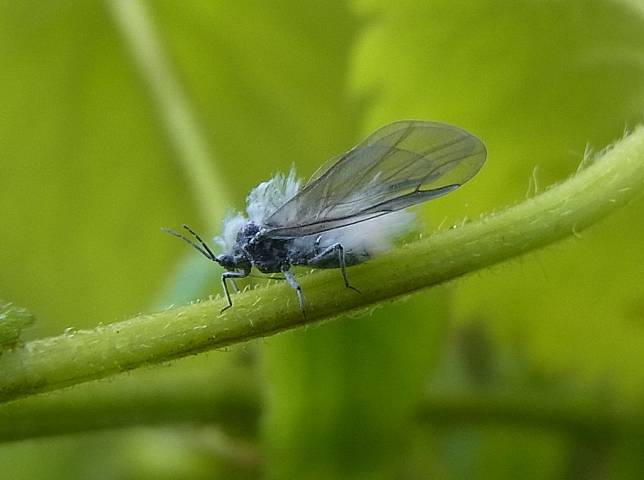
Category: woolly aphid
<point>350,209</point>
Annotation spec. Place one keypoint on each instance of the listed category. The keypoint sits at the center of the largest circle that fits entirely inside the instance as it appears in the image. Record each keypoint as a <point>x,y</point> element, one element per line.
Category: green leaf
<point>88,177</point>
<point>538,81</point>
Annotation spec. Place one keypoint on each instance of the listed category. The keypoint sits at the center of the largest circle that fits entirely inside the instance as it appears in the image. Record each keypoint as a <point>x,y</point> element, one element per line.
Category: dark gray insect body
<point>350,208</point>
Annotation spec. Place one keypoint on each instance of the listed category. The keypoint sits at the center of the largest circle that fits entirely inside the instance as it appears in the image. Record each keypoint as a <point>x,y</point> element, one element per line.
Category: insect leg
<point>290,278</point>
<point>338,249</point>
<point>230,275</point>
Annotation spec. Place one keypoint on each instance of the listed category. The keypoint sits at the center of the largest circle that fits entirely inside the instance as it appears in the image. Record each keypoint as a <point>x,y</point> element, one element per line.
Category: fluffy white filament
<point>369,237</point>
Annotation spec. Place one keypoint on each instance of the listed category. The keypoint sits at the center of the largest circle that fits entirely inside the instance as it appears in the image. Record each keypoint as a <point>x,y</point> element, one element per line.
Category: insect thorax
<point>268,255</point>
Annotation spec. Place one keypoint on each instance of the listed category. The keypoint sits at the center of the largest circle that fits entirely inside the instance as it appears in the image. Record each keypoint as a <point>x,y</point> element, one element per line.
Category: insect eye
<point>226,261</point>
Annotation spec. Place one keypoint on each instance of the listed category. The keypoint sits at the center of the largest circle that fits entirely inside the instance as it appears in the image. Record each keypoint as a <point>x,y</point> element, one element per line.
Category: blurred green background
<point>531,369</point>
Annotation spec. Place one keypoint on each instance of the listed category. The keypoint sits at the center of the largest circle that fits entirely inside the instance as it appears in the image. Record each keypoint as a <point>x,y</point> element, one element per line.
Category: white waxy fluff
<point>261,202</point>
<point>372,236</point>
<point>268,196</point>
<point>232,224</point>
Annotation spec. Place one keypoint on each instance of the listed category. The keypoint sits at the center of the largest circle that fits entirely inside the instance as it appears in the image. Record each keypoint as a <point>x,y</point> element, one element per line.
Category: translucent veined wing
<point>400,165</point>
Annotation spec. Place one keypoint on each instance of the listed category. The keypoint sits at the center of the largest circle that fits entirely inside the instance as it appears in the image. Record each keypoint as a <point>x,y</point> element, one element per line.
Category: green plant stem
<point>194,154</point>
<point>561,211</point>
<point>230,397</point>
<point>584,418</point>
<point>226,394</point>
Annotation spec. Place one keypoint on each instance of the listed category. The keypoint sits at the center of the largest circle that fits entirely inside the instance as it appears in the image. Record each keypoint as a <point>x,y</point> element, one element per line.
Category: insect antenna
<point>201,247</point>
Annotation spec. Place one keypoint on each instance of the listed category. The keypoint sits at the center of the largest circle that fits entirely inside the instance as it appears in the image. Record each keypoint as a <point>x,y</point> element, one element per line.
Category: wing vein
<point>414,161</point>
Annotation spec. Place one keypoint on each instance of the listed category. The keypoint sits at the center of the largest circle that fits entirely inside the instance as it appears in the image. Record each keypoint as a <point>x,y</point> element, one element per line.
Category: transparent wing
<point>400,165</point>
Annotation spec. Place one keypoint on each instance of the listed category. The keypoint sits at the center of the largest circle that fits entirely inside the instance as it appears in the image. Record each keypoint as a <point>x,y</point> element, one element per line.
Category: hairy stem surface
<point>612,180</point>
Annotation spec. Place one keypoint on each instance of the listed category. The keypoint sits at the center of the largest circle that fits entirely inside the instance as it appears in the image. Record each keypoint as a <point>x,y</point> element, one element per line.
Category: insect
<point>350,209</point>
